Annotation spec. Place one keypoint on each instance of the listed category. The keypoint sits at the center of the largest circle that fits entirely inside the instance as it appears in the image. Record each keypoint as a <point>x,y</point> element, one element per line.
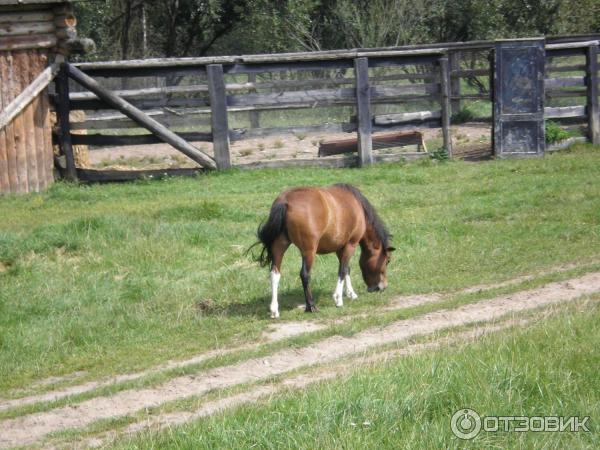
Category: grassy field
<point>547,369</point>
<point>113,278</point>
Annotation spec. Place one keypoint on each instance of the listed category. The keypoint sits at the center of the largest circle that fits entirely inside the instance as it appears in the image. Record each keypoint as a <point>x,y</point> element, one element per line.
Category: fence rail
<point>196,99</point>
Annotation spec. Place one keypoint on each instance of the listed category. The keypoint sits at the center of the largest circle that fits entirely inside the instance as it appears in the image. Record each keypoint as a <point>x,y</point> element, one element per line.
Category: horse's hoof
<point>311,309</point>
<point>352,296</point>
<point>339,301</point>
<point>274,315</point>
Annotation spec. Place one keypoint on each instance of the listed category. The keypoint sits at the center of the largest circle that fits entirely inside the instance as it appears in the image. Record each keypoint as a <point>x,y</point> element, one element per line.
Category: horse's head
<point>373,265</point>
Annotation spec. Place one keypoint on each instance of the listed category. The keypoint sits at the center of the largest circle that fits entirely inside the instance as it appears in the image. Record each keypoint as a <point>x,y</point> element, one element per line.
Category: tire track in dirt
<point>277,332</point>
<point>161,421</point>
<point>28,429</point>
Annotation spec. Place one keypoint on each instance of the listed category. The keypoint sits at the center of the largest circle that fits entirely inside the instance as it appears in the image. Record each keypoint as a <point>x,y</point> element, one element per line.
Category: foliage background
<point>126,29</point>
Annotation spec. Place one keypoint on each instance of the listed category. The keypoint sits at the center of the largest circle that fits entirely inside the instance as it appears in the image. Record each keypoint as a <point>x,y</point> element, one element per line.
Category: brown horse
<point>336,219</point>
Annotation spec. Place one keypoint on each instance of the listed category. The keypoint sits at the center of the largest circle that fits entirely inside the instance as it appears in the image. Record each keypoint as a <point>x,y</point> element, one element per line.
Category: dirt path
<point>165,420</point>
<point>276,332</point>
<point>30,428</point>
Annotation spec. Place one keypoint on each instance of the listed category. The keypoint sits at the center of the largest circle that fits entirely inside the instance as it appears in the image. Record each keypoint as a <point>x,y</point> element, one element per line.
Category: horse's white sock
<point>338,298</point>
<point>275,276</point>
<point>349,291</point>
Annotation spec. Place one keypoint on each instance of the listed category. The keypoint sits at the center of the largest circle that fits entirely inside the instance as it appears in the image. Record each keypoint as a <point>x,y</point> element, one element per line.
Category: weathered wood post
<point>218,107</point>
<point>445,101</point>
<point>519,70</point>
<point>253,115</point>
<point>454,81</point>
<point>593,110</point>
<point>62,114</point>
<point>363,110</point>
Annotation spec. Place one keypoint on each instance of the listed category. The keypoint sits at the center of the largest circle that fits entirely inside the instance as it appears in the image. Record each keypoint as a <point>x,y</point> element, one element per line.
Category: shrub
<point>554,133</point>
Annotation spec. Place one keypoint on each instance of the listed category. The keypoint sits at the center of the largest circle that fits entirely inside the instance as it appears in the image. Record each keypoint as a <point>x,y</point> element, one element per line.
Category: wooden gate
<point>519,98</point>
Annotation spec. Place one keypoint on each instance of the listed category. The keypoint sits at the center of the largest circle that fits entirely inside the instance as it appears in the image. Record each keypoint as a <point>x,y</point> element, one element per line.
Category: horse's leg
<point>344,256</point>
<point>278,249</point>
<point>307,262</point>
<point>349,290</point>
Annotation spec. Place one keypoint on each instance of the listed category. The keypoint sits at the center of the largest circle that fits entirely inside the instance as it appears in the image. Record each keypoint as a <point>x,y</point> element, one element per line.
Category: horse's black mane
<point>371,215</point>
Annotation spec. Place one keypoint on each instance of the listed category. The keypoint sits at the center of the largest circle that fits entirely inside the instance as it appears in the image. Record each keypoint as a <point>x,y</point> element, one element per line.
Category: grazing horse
<point>336,219</point>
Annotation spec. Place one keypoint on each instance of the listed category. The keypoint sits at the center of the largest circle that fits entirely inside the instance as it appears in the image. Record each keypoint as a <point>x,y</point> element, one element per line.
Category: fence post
<point>253,115</point>
<point>218,107</point>
<point>454,60</point>
<point>62,114</point>
<point>593,110</point>
<point>445,100</point>
<point>363,106</point>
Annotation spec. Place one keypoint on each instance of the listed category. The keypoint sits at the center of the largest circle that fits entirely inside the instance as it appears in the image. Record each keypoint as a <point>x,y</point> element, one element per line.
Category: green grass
<point>550,368</point>
<point>109,278</point>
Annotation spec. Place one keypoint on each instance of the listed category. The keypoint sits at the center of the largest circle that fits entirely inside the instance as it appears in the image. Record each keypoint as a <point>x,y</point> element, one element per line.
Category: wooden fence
<point>377,90</point>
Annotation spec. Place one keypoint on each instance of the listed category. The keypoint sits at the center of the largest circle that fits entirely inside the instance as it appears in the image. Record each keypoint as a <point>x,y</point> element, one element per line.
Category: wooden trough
<point>388,140</point>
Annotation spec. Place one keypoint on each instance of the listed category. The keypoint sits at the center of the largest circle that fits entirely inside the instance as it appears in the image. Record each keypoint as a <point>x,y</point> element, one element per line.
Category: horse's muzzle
<point>378,288</point>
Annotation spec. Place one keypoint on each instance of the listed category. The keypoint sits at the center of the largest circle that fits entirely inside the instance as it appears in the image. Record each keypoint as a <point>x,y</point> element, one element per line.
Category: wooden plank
<point>420,116</point>
<point>564,111</point>
<point>399,139</point>
<point>326,97</point>
<point>4,181</point>
<point>279,66</point>
<point>39,123</point>
<point>48,153</point>
<point>572,45</point>
<point>25,42</point>
<point>27,75</point>
<point>565,68</point>
<point>33,16</point>
<point>563,52</point>
<point>27,95</point>
<point>220,124</point>
<point>137,93</point>
<point>147,122</point>
<point>593,109</point>
<point>557,83</point>
<point>161,102</point>
<point>253,116</point>
<point>110,140</point>
<point>243,133</point>
<point>445,87</point>
<point>332,162</point>
<point>561,93</point>
<point>104,176</point>
<point>26,28</point>
<point>463,73</point>
<point>453,81</point>
<point>20,68</point>
<point>62,114</point>
<point>363,108</point>
<point>119,123</point>
<point>266,102</point>
<point>7,73</point>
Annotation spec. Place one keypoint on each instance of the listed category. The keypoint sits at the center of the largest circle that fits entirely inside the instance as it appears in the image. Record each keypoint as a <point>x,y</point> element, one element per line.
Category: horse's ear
<point>391,249</point>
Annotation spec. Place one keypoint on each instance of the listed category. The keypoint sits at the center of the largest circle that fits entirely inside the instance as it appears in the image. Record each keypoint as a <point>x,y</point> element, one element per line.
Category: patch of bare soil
<point>286,147</point>
<point>31,428</point>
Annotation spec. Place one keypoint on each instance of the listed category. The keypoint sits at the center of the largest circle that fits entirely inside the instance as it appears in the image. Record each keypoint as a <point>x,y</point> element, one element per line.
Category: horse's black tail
<point>269,231</point>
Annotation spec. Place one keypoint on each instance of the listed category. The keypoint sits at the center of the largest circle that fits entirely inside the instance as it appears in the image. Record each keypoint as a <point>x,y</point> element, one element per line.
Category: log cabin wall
<point>30,34</point>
